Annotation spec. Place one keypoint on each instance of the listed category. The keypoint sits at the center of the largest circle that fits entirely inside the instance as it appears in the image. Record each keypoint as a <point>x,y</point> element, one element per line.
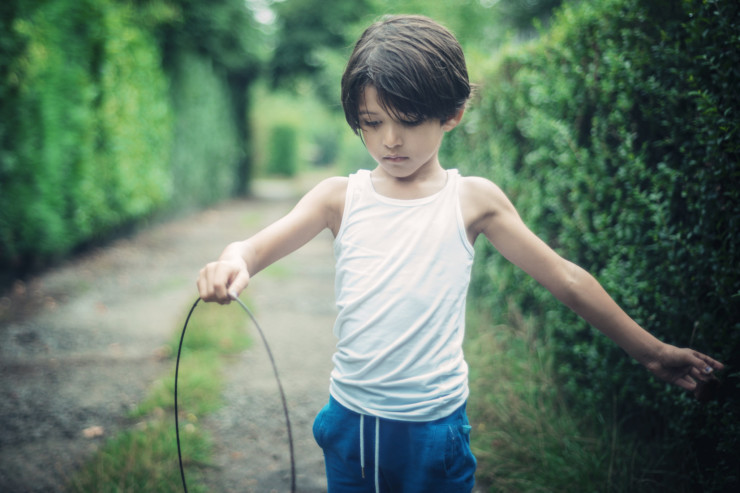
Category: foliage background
<point>113,111</point>
<point>616,134</point>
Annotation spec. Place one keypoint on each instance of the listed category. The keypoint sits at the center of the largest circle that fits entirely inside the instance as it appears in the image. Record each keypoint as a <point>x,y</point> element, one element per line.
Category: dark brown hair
<point>416,65</point>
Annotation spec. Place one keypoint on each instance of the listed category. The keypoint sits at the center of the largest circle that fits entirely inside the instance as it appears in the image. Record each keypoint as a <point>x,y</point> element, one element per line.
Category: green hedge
<point>210,54</point>
<point>616,135</point>
<point>283,157</point>
<point>114,110</point>
<point>207,148</point>
<point>76,160</point>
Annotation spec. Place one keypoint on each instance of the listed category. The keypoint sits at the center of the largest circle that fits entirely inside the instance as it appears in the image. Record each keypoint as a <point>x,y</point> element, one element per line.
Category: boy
<point>404,235</point>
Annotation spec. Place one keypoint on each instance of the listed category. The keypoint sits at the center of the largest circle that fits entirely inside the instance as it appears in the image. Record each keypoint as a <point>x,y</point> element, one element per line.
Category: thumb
<point>239,283</point>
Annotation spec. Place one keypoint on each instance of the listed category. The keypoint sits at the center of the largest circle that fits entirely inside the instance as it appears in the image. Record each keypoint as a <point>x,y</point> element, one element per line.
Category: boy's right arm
<point>320,208</point>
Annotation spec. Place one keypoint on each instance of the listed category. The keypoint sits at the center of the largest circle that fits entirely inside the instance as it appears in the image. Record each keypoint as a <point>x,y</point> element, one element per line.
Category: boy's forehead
<point>369,102</point>
<point>368,94</point>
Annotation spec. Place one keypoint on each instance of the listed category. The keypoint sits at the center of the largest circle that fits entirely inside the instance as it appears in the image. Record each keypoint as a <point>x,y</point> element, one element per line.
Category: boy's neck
<point>423,183</point>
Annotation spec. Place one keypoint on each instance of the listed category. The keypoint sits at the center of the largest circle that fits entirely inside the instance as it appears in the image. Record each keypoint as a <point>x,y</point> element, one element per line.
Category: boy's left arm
<point>489,212</point>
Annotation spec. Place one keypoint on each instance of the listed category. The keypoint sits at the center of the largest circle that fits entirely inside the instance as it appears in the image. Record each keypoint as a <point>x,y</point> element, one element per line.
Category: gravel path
<point>80,345</point>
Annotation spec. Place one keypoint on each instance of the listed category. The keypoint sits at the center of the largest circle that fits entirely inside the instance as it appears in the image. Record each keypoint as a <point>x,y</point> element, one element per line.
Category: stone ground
<point>81,344</point>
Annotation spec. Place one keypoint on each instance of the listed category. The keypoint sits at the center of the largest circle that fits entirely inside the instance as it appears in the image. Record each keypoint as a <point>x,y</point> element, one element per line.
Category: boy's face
<point>401,149</point>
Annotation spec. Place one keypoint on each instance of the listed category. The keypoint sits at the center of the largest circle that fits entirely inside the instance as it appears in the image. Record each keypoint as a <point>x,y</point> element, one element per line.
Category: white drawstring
<point>362,444</point>
<point>377,454</point>
<point>377,450</point>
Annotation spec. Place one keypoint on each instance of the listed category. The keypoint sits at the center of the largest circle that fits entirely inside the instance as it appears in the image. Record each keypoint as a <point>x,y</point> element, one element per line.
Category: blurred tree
<point>305,27</point>
<point>223,30</point>
<point>521,14</point>
<point>313,36</point>
<point>474,22</point>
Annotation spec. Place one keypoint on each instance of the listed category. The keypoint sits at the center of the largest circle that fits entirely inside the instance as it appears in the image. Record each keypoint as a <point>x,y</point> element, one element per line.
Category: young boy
<point>404,235</point>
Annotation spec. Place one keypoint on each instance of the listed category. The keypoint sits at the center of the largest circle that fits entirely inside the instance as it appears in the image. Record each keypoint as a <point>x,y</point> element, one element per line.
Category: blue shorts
<point>368,454</point>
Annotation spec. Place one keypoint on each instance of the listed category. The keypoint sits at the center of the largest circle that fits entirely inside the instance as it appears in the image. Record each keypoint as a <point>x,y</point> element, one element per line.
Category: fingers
<point>703,366</point>
<point>711,364</point>
<point>699,372</point>
<point>686,368</point>
<point>218,281</point>
<point>686,382</point>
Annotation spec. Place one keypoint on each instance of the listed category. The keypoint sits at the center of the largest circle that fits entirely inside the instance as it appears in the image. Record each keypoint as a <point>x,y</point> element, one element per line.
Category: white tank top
<point>402,276</point>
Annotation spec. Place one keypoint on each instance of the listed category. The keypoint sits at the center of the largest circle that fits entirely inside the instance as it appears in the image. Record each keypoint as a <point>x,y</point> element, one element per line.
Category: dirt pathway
<point>79,347</point>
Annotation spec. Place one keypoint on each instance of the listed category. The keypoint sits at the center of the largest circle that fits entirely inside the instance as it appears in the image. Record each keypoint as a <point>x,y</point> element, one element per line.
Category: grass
<point>144,457</point>
<point>525,437</point>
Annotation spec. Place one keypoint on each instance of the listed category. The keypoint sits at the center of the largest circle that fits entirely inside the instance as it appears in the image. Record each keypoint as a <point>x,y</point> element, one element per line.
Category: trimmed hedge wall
<point>616,135</point>
<point>76,158</point>
<point>114,110</point>
<point>206,150</point>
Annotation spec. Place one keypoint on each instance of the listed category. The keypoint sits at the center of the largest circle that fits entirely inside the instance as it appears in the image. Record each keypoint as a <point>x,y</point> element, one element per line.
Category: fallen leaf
<point>93,432</point>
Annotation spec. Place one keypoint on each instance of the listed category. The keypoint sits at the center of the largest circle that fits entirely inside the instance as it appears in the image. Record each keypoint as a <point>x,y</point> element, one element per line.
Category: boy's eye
<point>412,123</point>
<point>405,123</point>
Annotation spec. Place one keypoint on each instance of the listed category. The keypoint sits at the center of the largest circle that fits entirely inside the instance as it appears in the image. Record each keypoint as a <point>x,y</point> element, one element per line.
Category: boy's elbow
<point>574,283</point>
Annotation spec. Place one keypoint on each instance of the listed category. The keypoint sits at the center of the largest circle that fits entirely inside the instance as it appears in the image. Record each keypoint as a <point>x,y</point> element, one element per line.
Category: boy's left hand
<point>684,367</point>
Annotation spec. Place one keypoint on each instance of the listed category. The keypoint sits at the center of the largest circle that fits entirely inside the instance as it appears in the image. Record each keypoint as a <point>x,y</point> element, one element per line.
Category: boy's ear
<point>454,121</point>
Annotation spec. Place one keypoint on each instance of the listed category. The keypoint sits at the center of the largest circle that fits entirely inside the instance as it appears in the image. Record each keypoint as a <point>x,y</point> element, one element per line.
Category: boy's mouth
<point>395,159</point>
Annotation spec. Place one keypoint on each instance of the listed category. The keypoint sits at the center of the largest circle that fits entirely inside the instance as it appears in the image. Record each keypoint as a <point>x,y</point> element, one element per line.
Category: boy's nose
<point>392,137</point>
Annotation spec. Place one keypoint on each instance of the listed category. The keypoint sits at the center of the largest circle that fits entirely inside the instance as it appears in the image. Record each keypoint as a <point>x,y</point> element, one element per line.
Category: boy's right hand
<point>223,280</point>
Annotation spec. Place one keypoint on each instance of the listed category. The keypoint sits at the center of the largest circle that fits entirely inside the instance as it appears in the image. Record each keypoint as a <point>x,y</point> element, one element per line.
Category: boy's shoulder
<point>481,198</point>
<point>333,186</point>
<point>324,202</point>
<point>332,192</point>
<point>479,189</point>
<point>330,187</point>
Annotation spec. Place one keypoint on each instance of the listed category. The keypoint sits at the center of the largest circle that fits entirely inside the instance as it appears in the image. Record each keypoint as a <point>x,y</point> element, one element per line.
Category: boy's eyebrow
<point>366,112</point>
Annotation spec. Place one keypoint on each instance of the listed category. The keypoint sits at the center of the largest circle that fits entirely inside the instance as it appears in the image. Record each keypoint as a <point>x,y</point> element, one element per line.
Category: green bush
<point>115,110</point>
<point>283,156</point>
<point>207,147</point>
<point>615,134</point>
<point>133,90</point>
<point>210,54</point>
<point>76,159</point>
